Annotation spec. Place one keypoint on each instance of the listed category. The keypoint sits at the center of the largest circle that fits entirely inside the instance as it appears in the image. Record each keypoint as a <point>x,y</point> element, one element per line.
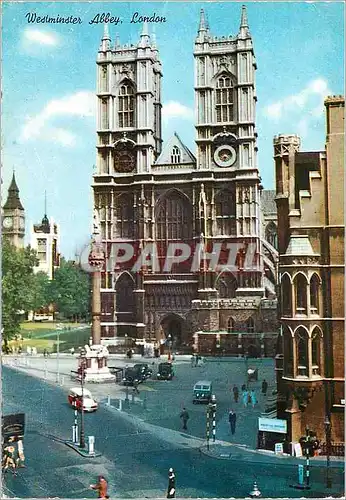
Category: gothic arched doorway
<point>173,325</point>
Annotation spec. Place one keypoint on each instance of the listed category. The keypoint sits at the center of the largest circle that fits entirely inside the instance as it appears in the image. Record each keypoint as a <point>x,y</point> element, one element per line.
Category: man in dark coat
<point>264,387</point>
<point>232,417</point>
<point>235,393</point>
<point>185,417</point>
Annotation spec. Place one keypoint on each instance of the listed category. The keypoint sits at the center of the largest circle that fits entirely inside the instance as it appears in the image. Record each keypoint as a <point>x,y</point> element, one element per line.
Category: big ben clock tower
<point>13,216</point>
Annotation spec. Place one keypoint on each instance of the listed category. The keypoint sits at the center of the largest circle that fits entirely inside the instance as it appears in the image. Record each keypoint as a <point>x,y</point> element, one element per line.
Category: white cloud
<point>174,109</point>
<point>307,101</point>
<point>32,36</point>
<point>81,104</point>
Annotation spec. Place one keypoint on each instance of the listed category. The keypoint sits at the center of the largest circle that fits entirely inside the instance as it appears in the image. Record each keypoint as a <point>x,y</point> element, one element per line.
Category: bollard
<point>171,484</point>
<point>255,493</point>
<point>300,474</point>
<point>91,445</point>
<point>62,380</point>
<point>120,404</point>
<point>108,400</point>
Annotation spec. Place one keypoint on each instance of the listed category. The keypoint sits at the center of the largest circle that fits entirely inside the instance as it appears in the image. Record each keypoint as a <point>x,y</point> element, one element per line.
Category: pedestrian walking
<point>232,418</point>
<point>193,362</point>
<point>245,397</point>
<point>253,398</point>
<point>264,387</point>
<point>101,486</point>
<point>243,387</point>
<point>185,417</point>
<point>8,460</point>
<point>171,484</point>
<point>235,393</point>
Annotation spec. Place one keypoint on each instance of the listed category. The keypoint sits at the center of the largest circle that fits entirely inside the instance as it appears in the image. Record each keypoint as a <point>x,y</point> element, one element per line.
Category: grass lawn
<point>45,336</point>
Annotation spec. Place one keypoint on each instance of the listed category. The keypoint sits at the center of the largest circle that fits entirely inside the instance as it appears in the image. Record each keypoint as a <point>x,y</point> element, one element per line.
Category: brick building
<point>310,206</point>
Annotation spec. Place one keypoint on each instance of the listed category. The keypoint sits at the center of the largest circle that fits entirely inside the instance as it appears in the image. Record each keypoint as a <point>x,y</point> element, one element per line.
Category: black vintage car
<point>143,371</point>
<point>165,371</point>
<point>131,376</point>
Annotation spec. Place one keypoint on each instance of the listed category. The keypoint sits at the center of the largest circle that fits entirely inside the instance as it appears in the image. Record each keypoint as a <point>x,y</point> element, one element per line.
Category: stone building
<point>45,239</point>
<point>310,208</point>
<point>13,216</point>
<point>146,194</point>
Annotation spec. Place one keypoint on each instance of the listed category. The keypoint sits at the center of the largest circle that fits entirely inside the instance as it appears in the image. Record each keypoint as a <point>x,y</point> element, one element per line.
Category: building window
<point>124,217</point>
<point>226,287</point>
<point>250,325</point>
<point>230,325</point>
<point>225,212</point>
<point>314,294</point>
<point>126,113</point>
<point>302,340</point>
<point>288,352</point>
<point>224,99</point>
<point>175,155</point>
<point>286,296</point>
<point>42,250</point>
<point>104,114</point>
<point>103,78</point>
<point>300,286</point>
<point>173,218</point>
<point>316,351</point>
<point>271,234</point>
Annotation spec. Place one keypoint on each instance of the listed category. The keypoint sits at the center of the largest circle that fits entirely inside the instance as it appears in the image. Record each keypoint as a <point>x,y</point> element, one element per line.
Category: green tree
<point>70,291</point>
<point>18,283</point>
<point>41,291</point>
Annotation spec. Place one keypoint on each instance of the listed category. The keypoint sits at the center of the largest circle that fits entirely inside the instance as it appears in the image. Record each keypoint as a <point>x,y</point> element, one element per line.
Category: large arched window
<point>314,294</point>
<point>302,342</point>
<point>230,325</point>
<point>286,296</point>
<point>287,351</point>
<point>224,99</point>
<point>175,155</point>
<point>271,234</point>
<point>173,218</point>
<point>124,217</point>
<point>225,208</point>
<point>125,299</point>
<point>300,286</point>
<point>126,105</point>
<point>316,351</point>
<point>226,286</point>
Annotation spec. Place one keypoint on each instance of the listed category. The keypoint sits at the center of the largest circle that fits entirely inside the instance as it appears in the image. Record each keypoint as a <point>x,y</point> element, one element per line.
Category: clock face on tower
<point>124,161</point>
<point>225,156</point>
<point>7,222</point>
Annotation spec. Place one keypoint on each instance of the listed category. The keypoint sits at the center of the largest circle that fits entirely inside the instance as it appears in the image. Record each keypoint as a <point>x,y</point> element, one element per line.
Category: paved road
<point>135,457</point>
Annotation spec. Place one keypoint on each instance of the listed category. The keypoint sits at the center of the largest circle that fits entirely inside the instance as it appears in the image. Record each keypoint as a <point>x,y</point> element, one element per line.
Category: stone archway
<point>172,325</point>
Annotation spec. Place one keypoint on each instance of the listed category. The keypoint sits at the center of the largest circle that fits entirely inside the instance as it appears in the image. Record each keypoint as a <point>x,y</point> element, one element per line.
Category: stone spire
<point>13,200</point>
<point>244,25</point>
<point>202,22</point>
<point>145,37</point>
<point>106,39</point>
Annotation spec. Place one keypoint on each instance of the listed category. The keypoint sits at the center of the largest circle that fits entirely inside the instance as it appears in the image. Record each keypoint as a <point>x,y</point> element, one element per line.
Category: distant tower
<point>13,221</point>
<point>45,239</point>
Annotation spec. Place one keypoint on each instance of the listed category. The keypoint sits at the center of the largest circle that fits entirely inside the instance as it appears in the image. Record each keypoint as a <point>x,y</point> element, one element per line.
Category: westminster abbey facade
<point>147,192</point>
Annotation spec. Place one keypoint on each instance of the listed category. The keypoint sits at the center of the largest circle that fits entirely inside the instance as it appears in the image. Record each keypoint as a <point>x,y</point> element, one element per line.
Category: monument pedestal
<point>95,364</point>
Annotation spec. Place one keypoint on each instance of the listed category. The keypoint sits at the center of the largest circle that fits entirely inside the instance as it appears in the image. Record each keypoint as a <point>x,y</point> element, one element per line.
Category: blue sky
<point>49,74</point>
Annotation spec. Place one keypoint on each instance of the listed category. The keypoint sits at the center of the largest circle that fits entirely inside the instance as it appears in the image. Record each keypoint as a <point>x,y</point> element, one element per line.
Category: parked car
<point>131,375</point>
<point>165,371</point>
<point>75,399</point>
<point>144,371</point>
<point>202,392</point>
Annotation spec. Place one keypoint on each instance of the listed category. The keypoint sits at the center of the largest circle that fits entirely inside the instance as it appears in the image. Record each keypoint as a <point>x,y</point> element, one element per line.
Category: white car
<point>75,399</point>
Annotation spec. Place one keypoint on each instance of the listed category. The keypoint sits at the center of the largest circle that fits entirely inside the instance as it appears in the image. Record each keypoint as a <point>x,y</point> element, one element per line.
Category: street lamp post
<point>169,338</point>
<point>82,433</point>
<point>58,355</point>
<point>328,427</point>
